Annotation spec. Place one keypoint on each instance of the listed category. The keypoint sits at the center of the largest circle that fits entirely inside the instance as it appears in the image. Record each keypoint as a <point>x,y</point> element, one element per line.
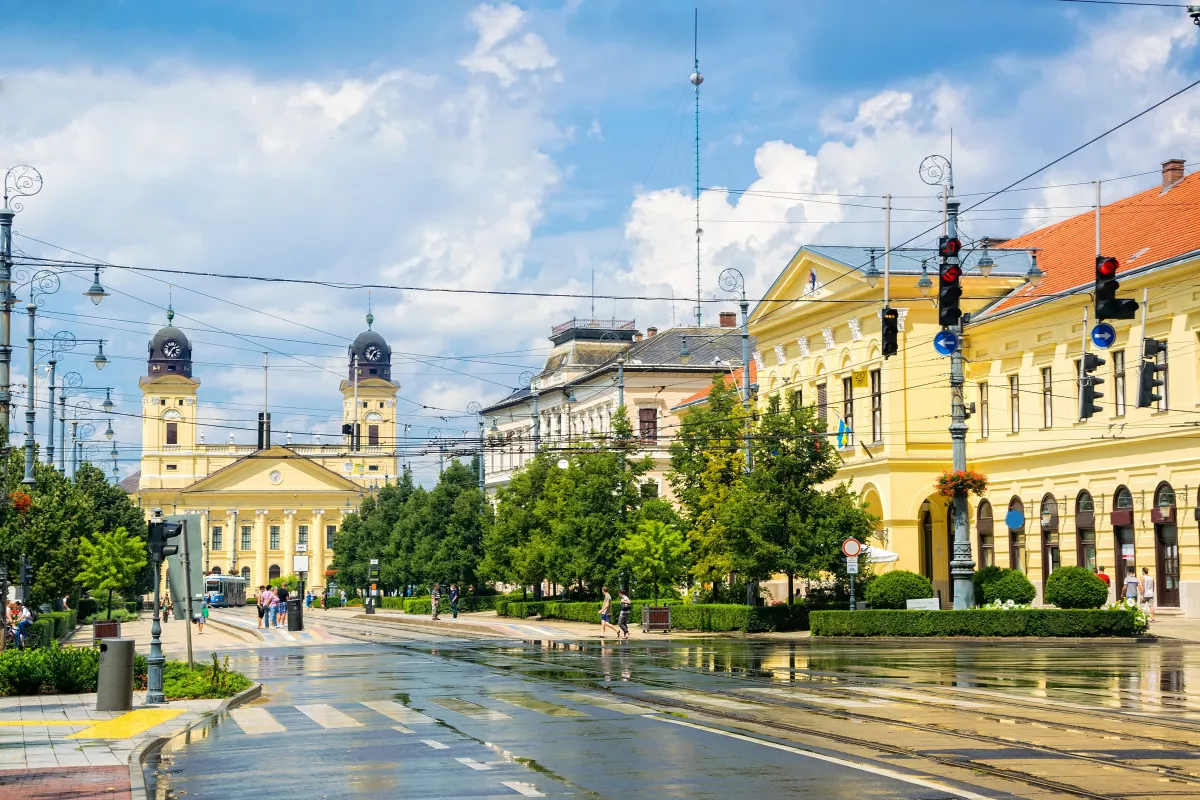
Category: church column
<point>206,553</point>
<point>316,549</point>
<point>231,541</point>
<point>260,547</point>
<point>288,544</point>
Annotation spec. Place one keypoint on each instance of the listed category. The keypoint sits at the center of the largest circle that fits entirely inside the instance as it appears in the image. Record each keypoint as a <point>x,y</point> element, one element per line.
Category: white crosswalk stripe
<point>327,716</point>
<point>254,721</point>
<point>527,789</point>
<point>398,712</point>
<point>436,745</point>
<point>473,764</point>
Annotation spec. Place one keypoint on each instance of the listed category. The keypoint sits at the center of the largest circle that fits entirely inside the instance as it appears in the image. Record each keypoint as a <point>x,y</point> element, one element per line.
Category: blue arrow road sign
<point>1103,335</point>
<point>945,343</point>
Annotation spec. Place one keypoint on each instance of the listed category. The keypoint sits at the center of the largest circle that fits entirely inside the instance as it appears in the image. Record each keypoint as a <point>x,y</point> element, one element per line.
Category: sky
<point>522,147</point>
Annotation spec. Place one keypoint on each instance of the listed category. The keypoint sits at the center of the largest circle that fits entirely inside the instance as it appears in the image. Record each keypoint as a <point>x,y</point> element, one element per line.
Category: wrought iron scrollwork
<point>21,181</point>
<point>936,170</point>
<point>731,280</point>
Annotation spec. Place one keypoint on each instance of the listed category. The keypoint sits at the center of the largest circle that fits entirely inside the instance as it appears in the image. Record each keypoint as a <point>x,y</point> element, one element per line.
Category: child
<point>203,617</point>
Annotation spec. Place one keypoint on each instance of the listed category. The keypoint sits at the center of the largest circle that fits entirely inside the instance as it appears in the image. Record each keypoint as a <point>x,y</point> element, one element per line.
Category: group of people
<point>435,597</point>
<point>272,607</point>
<point>1138,588</point>
<point>22,621</point>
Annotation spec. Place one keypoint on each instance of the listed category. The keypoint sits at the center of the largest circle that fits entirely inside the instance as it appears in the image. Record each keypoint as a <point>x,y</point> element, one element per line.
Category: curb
<point>137,759</point>
<point>246,634</point>
<point>425,625</point>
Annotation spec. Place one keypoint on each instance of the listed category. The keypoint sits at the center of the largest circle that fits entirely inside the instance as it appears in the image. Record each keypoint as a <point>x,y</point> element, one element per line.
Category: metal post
<point>30,414</point>
<point>621,379</point>
<point>482,440</point>
<point>3,604</point>
<point>354,424</point>
<point>745,304</point>
<point>74,447</point>
<point>62,432</point>
<point>1097,217</point>
<point>853,602</point>
<point>154,664</point>
<point>50,435</point>
<point>6,218</point>
<point>887,249</point>
<point>187,589</point>
<point>962,566</point>
<point>537,424</point>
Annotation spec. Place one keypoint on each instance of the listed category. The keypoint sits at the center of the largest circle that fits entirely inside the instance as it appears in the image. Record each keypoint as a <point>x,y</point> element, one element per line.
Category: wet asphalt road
<point>357,721</point>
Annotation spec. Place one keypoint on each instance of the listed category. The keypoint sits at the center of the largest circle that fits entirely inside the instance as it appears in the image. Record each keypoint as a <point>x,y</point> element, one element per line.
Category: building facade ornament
<point>803,342</point>
<point>827,334</point>
<point>780,355</point>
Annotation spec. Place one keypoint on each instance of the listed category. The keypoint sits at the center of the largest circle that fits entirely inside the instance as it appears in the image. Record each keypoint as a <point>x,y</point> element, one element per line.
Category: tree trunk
<point>110,591</point>
<point>791,588</point>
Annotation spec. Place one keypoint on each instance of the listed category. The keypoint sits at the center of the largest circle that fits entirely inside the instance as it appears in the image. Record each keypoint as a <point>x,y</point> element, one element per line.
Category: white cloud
<point>499,51</point>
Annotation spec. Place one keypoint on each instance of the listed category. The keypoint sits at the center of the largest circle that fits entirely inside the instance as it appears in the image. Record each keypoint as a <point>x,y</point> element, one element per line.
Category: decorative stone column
<point>260,543</point>
<point>231,542</point>
<point>316,550</point>
<point>288,543</point>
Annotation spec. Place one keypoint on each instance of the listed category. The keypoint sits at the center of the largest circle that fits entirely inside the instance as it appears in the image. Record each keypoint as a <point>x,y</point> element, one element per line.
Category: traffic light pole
<point>154,670</point>
<point>962,567</point>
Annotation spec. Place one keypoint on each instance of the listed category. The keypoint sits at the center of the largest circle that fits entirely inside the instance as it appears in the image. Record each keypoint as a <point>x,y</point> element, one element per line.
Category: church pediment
<point>278,469</point>
<point>808,276</point>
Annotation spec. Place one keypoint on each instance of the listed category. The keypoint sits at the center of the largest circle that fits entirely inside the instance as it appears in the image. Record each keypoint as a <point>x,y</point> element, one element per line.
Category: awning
<point>878,555</point>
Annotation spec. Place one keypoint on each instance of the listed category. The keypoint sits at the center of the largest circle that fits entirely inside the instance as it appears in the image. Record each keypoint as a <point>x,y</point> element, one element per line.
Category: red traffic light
<point>1106,267</point>
<point>949,246</point>
<point>950,272</point>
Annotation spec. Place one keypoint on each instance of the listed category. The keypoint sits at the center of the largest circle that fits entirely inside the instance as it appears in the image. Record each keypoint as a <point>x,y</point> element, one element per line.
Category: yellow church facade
<point>262,506</point>
<point>1119,490</point>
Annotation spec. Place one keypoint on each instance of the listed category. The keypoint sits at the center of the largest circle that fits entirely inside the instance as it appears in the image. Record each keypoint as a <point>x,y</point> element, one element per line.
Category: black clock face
<point>172,349</point>
<point>372,353</point>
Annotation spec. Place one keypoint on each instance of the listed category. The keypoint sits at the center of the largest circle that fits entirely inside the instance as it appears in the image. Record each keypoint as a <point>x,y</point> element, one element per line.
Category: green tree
<point>656,554</point>
<point>514,547</point>
<point>113,509</point>
<point>110,562</point>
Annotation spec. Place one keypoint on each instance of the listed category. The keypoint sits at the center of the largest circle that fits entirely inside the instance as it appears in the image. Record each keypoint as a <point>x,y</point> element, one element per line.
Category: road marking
<point>526,789</point>
<point>608,703</point>
<point>469,709</point>
<point>887,773</point>
<point>327,716</point>
<point>23,722</point>
<point>436,745</point>
<point>401,729</point>
<point>522,700</point>
<point>707,700</point>
<point>130,724</point>
<point>256,720</point>
<point>918,697</point>
<point>398,712</point>
<point>473,764</point>
<point>810,697</point>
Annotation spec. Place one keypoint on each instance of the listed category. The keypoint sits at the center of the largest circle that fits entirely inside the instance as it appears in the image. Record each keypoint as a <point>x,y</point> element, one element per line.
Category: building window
<point>1014,402</point>
<point>876,406</point>
<point>246,574</point>
<point>246,531</point>
<point>302,535</point>
<point>650,489</point>
<point>372,436</point>
<point>172,467</point>
<point>1047,398</point>
<point>373,468</point>
<point>216,538</point>
<point>648,424</point>
<point>273,572</point>
<point>274,533</point>
<point>330,530</point>
<point>1161,359</point>
<point>1118,357</point>
<point>823,403</point>
<point>172,433</point>
<point>987,535</point>
<point>985,427</point>
<point>848,409</point>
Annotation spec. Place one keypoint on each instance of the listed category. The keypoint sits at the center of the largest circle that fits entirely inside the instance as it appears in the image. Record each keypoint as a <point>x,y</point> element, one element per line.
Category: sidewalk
<point>488,623</point>
<point>173,636</point>
<point>1180,628</point>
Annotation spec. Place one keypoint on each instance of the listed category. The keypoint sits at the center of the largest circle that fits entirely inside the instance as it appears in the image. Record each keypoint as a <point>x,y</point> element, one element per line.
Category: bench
<point>105,629</point>
<point>656,618</point>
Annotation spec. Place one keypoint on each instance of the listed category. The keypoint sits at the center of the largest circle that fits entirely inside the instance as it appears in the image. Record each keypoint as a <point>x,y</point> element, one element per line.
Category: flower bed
<point>1051,622</point>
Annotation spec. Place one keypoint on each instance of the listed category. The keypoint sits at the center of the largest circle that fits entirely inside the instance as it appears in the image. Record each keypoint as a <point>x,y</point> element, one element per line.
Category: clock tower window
<point>172,433</point>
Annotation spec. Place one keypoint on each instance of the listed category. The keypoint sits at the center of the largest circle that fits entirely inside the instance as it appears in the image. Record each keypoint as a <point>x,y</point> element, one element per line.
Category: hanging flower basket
<point>966,481</point>
<point>21,501</point>
<point>329,573</point>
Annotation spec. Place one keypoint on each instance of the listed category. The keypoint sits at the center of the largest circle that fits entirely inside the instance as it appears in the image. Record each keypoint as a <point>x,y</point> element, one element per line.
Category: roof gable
<point>254,473</point>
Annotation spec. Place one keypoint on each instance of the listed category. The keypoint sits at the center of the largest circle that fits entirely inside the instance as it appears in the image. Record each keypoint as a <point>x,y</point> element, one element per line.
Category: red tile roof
<point>1143,229</point>
<point>730,379</point>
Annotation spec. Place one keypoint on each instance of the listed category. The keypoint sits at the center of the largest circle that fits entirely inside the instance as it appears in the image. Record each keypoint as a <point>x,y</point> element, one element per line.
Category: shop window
<point>1016,537</point>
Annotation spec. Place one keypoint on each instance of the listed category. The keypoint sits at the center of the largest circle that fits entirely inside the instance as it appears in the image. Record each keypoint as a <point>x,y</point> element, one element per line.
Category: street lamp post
<point>475,408</point>
<point>19,181</point>
<point>731,280</point>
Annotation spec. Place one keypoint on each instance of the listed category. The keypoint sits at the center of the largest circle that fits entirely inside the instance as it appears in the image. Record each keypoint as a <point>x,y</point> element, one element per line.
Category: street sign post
<point>851,548</point>
<point>851,566</point>
<point>945,343</point>
<point>1103,335</point>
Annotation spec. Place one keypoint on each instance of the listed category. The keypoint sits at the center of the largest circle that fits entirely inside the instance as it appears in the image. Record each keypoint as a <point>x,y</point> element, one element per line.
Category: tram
<point>224,590</point>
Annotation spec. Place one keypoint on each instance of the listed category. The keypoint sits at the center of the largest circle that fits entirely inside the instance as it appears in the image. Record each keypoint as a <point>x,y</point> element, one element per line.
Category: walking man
<point>454,600</point>
<point>263,603</point>
<point>1146,592</point>
<point>606,614</point>
<point>623,619</point>
<point>435,597</point>
<point>281,609</point>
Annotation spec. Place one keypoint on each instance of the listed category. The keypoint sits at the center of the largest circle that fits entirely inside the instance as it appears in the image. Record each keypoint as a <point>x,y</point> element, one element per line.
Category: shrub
<point>892,589</point>
<point>132,606</point>
<point>1012,585</point>
<point>984,576</point>
<point>976,622</point>
<point>209,681</point>
<point>73,670</point>
<point>684,616</point>
<point>119,614</point>
<point>86,607</point>
<point>41,632</point>
<point>1075,587</point>
<point>354,602</point>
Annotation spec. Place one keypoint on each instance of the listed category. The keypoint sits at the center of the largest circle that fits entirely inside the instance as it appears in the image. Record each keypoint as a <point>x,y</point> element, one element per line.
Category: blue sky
<point>523,146</point>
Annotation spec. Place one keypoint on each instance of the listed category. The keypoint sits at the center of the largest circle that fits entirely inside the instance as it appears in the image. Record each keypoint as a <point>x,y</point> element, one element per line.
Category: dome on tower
<point>170,351</point>
<point>372,354</point>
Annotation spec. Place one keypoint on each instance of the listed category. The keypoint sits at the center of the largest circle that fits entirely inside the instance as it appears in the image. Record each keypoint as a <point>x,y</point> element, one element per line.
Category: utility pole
<point>187,588</point>
<point>621,379</point>
<point>696,80</point>
<point>962,566</point>
<point>482,440</point>
<point>19,181</point>
<point>354,424</point>
<point>31,340</point>
<point>537,424</point>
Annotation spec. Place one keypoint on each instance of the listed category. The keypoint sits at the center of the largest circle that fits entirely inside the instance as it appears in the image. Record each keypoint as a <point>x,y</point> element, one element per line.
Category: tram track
<point>475,648</point>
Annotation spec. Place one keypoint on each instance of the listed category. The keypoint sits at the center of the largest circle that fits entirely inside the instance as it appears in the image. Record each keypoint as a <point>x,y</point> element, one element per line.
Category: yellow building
<point>1113,490</point>
<point>262,505</point>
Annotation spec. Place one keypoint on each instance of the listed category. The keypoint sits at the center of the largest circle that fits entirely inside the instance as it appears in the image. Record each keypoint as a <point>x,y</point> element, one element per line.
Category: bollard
<point>114,683</point>
<point>295,612</point>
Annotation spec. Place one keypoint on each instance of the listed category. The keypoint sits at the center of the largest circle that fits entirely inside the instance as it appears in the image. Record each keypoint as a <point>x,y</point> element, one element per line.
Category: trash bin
<point>114,684</point>
<point>295,612</point>
<point>369,605</point>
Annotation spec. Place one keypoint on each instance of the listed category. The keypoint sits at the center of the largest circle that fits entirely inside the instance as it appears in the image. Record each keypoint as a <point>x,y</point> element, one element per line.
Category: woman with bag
<point>626,607</point>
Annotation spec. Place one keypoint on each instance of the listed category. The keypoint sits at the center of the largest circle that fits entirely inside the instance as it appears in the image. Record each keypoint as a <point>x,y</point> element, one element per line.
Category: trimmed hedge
<point>131,606</point>
<point>1075,587</point>
<point>1011,584</point>
<point>424,605</point>
<point>684,616</point>
<point>894,589</point>
<point>64,622</point>
<point>976,622</point>
<point>74,670</point>
<point>87,606</point>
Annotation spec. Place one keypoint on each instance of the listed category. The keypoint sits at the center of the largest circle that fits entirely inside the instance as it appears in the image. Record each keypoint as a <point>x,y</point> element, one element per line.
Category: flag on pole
<point>843,434</point>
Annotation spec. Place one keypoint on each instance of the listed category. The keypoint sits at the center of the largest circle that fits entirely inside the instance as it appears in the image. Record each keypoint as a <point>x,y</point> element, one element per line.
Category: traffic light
<point>949,246</point>
<point>1149,371</point>
<point>891,328</point>
<point>1088,396</point>
<point>1107,304</point>
<point>26,571</point>
<point>949,291</point>
<point>160,532</point>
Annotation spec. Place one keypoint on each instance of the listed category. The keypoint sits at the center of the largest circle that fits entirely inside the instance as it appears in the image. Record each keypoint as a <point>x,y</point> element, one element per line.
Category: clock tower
<point>168,410</point>
<point>369,396</point>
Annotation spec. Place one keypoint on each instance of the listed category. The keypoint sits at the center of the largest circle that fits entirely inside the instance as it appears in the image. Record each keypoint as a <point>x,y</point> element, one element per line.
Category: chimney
<point>637,337</point>
<point>264,430</point>
<point>651,331</point>
<point>1172,172</point>
<point>728,319</point>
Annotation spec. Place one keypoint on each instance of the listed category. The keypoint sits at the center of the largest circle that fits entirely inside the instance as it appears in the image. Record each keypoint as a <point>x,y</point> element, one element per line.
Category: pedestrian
<point>262,606</point>
<point>626,607</point>
<point>325,600</point>
<point>1100,573</point>
<point>606,614</point>
<point>343,596</point>
<point>281,614</point>
<point>202,617</point>
<point>167,608</point>
<point>1131,586</point>
<point>454,600</point>
<point>65,605</point>
<point>1146,592</point>
<point>24,619</point>
<point>435,597</point>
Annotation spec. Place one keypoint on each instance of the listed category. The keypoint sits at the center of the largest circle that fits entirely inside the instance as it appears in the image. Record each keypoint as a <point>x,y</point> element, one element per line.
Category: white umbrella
<point>878,555</point>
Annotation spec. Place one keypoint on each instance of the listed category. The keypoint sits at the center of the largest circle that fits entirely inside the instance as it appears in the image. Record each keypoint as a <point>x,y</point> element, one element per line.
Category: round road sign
<point>851,548</point>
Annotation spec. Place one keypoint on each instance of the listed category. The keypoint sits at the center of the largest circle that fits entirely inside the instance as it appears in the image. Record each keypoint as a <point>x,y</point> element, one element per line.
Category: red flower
<point>21,501</point>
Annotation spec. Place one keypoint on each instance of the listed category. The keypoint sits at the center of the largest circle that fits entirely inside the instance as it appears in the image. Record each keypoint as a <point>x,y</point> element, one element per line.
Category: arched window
<point>1016,536</point>
<point>1085,531</point>
<point>925,518</point>
<point>216,571</point>
<point>1050,538</point>
<point>273,572</point>
<point>1124,549</point>
<point>246,574</point>
<point>985,528</point>
<point>1166,549</point>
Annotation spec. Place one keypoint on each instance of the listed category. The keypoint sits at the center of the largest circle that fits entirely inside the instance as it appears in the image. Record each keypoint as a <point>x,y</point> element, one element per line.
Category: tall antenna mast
<point>697,79</point>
